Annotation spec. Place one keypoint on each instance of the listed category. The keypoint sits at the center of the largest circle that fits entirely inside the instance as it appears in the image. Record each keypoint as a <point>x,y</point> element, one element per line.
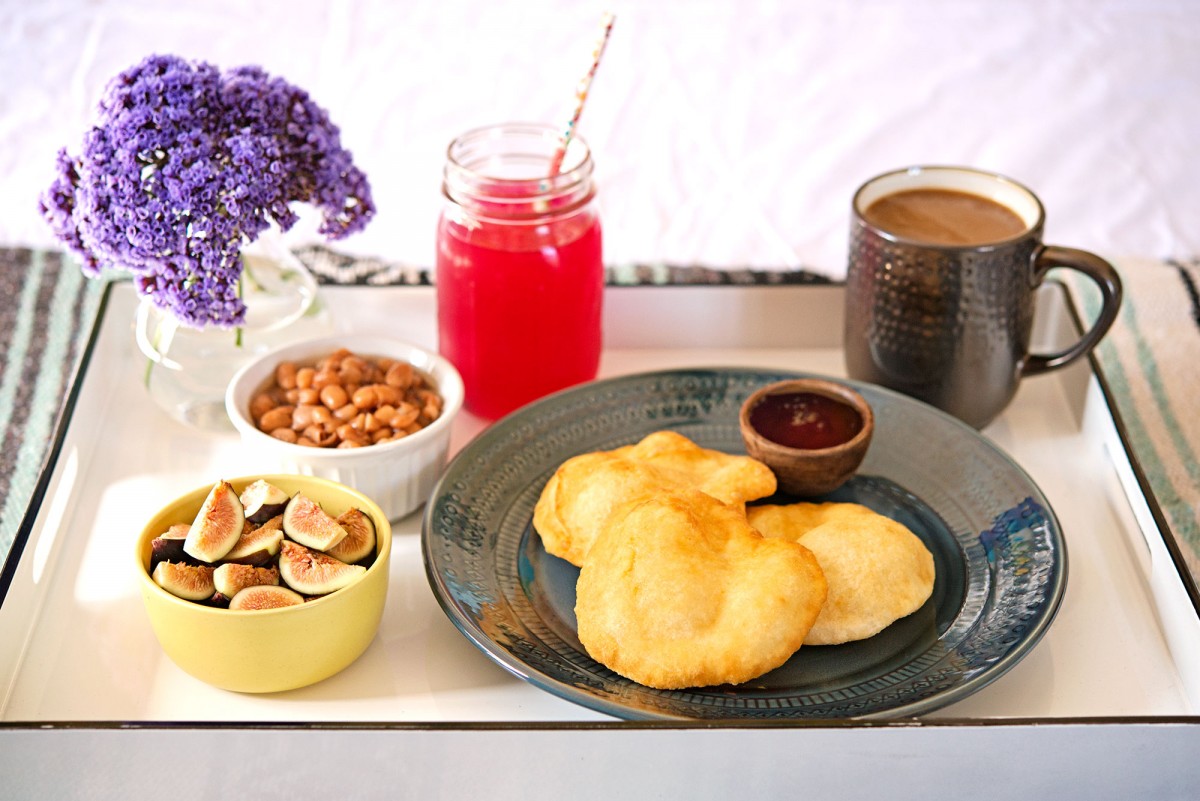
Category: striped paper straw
<point>581,94</point>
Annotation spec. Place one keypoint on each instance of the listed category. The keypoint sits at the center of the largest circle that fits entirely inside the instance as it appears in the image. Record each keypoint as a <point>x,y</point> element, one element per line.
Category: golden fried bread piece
<point>878,571</point>
<point>587,490</point>
<point>728,478</point>
<point>679,591</point>
<point>583,494</point>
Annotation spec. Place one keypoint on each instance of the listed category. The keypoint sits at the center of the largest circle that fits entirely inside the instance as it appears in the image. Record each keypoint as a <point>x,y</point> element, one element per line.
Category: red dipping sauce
<point>805,420</point>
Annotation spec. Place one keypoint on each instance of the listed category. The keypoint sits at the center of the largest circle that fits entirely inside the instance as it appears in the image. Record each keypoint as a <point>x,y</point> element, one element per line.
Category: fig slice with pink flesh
<point>308,524</point>
<point>262,501</point>
<point>265,596</point>
<point>257,546</point>
<point>168,546</point>
<point>190,582</point>
<point>359,543</point>
<point>231,578</point>
<point>314,573</point>
<point>218,525</point>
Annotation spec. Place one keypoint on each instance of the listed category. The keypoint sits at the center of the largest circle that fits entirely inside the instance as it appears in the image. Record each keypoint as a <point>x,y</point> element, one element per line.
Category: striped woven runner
<point>1151,363</point>
<point>47,310</point>
<point>1148,361</point>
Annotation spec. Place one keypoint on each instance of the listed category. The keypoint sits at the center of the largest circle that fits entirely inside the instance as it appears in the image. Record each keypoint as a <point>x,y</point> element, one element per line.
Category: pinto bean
<point>262,403</point>
<point>400,375</point>
<point>285,434</point>
<point>285,375</point>
<point>333,396</point>
<point>366,397</point>
<point>279,417</point>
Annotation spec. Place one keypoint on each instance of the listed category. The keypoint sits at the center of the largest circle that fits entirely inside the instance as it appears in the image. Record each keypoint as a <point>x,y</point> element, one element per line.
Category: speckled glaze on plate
<point>997,546</point>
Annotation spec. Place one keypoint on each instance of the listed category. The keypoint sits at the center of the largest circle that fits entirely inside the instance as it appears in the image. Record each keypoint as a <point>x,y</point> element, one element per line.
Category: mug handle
<point>1105,277</point>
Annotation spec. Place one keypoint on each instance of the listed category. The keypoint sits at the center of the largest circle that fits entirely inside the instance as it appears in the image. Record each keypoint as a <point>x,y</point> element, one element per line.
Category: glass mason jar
<point>520,272</point>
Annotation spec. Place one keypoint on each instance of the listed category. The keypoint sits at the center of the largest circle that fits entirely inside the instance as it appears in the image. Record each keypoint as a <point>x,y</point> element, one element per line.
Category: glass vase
<point>187,369</point>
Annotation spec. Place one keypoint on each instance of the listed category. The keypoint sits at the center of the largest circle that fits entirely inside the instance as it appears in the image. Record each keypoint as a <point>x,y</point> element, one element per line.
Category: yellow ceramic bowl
<point>279,649</point>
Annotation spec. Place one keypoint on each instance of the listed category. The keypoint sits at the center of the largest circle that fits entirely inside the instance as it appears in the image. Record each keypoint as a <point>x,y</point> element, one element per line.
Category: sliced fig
<point>190,582</point>
<point>168,546</point>
<point>265,596</point>
<point>217,526</point>
<point>308,524</point>
<point>229,579</point>
<point>257,546</point>
<point>314,573</point>
<point>359,543</point>
<point>263,500</point>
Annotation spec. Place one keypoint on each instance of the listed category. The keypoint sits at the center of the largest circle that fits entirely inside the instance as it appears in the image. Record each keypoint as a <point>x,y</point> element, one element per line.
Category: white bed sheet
<point>727,134</point>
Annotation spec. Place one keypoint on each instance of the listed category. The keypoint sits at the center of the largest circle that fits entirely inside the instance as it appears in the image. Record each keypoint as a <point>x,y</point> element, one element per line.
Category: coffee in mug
<point>944,217</point>
<point>943,266</point>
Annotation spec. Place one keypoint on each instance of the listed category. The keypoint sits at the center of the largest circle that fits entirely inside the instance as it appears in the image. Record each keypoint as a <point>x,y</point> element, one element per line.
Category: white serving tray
<point>81,672</point>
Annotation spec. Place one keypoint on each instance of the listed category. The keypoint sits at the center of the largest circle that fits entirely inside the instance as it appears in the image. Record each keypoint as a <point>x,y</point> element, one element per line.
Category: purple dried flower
<point>184,166</point>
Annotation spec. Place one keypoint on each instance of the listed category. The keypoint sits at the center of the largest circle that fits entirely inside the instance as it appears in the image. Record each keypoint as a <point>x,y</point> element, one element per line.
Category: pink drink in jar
<point>520,273</point>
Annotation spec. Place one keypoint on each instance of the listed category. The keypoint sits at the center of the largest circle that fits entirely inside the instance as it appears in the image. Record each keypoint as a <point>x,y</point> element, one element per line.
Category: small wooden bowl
<point>809,472</point>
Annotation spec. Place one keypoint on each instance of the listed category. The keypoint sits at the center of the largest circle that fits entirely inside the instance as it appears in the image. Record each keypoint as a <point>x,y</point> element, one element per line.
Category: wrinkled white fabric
<point>728,134</point>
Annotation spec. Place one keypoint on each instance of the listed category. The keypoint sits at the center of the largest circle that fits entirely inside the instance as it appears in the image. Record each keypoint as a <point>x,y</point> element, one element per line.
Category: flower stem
<point>157,344</point>
<point>237,340</point>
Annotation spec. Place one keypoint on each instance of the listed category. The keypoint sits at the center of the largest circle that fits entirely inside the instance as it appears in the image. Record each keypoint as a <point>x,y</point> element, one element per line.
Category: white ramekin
<point>398,475</point>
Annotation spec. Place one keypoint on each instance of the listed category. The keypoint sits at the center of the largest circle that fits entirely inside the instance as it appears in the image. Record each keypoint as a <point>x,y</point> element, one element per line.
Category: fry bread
<point>679,591</point>
<point>878,571</point>
<point>588,490</point>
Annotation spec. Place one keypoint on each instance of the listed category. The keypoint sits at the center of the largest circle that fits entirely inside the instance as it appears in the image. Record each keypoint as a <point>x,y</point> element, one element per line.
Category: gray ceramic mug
<point>950,324</point>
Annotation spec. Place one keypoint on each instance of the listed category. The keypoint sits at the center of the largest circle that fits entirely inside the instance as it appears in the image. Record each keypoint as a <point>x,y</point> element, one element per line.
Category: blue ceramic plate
<point>997,547</point>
